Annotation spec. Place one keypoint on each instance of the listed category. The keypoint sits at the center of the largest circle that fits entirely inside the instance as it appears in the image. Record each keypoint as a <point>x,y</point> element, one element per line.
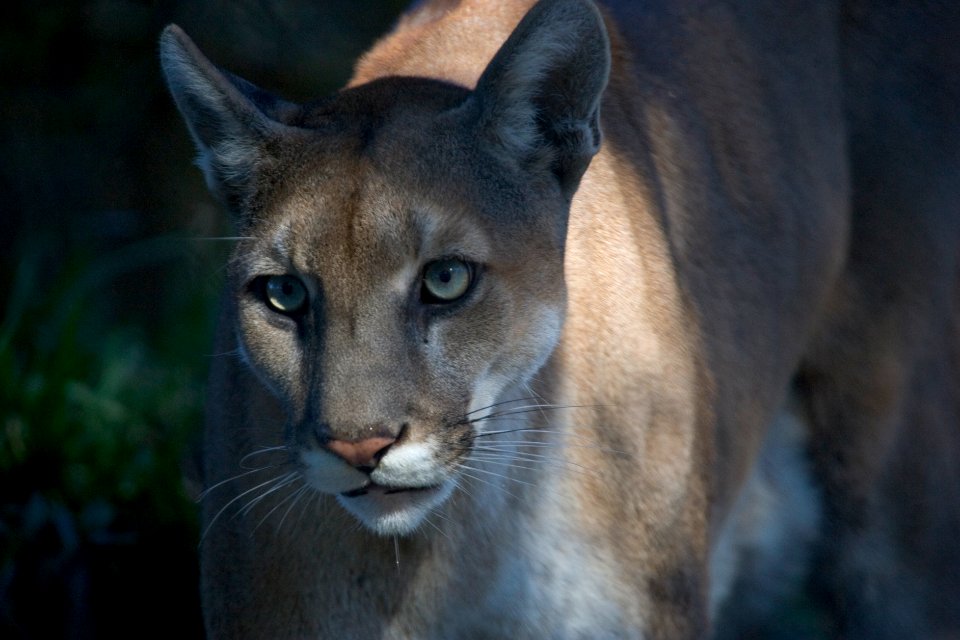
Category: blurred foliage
<point>95,424</point>
<point>107,296</point>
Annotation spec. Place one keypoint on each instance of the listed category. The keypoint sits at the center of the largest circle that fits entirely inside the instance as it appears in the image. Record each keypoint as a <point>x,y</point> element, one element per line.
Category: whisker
<point>306,504</point>
<point>436,528</point>
<point>555,445</point>
<point>496,486</point>
<point>537,443</point>
<point>442,516</point>
<point>465,491</point>
<point>299,493</point>
<point>221,238</point>
<point>516,411</point>
<point>571,441</point>
<point>278,505</point>
<point>234,499</point>
<point>483,434</point>
<point>498,475</point>
<point>498,404</point>
<point>205,492</point>
<point>492,450</point>
<point>507,463</point>
<point>529,456</point>
<point>232,352</point>
<point>551,462</point>
<point>533,393</point>
<point>258,452</point>
<point>284,481</point>
<point>512,444</point>
<point>536,406</point>
<point>499,416</point>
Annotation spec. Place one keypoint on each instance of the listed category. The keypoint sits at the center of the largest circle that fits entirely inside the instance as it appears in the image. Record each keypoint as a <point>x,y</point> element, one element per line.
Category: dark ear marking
<point>539,98</point>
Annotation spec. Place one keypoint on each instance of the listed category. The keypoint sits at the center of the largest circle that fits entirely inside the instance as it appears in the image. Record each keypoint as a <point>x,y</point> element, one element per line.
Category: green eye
<point>285,294</point>
<point>445,280</point>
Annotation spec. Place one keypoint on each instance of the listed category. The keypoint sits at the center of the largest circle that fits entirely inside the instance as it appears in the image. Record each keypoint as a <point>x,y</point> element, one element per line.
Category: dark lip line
<point>360,491</point>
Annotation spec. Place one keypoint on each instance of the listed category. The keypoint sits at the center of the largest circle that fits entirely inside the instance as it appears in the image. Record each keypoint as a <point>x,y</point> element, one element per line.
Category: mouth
<point>379,489</point>
<point>393,510</point>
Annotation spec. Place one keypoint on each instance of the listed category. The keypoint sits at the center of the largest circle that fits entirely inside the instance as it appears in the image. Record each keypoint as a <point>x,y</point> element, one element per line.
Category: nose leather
<point>361,453</point>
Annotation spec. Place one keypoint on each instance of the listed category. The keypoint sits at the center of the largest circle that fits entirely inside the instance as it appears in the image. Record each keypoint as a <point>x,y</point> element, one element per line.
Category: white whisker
<point>205,492</point>
<point>518,430</point>
<point>514,411</point>
<point>497,404</point>
<point>498,475</point>
<point>232,352</point>
<point>436,528</point>
<point>462,488</point>
<point>567,438</point>
<point>506,454</point>
<point>279,504</point>
<point>556,445</point>
<point>507,451</point>
<point>221,238</point>
<point>239,497</point>
<point>479,479</point>
<point>261,451</point>
<point>282,482</point>
<point>556,463</point>
<point>306,505</point>
<point>299,494</point>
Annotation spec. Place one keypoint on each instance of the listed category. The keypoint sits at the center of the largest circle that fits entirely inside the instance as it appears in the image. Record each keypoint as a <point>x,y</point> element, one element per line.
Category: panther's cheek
<point>273,354</point>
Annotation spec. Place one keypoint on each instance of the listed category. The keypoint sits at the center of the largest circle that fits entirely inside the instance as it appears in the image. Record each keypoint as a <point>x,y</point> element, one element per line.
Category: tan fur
<point>773,215</point>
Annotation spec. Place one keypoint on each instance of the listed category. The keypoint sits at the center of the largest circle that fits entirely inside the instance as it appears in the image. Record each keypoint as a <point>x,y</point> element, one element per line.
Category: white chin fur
<point>396,514</point>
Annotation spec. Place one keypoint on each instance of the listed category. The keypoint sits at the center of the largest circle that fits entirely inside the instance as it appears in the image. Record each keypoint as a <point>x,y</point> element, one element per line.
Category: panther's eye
<point>286,293</point>
<point>445,280</point>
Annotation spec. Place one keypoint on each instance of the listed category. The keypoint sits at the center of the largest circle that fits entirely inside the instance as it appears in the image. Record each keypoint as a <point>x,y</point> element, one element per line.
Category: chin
<point>395,512</point>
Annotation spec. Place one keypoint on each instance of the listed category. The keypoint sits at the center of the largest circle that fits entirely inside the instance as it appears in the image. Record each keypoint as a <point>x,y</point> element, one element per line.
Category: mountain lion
<point>630,322</point>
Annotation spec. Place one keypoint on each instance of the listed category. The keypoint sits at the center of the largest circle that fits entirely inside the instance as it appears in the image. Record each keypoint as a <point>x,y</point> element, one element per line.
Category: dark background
<point>107,289</point>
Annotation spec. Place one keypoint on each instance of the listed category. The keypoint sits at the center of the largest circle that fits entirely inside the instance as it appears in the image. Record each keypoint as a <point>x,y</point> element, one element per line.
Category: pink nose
<point>362,453</point>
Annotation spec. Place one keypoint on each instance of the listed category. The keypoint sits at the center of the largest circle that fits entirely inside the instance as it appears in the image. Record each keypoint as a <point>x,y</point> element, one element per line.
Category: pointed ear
<point>539,98</point>
<point>230,119</point>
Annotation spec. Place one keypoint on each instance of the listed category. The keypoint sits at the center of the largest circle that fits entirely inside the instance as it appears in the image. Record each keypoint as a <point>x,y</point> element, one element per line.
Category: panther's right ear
<point>230,119</point>
<point>538,101</point>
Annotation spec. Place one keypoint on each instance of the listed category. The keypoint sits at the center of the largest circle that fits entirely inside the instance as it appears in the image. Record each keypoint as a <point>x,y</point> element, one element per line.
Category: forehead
<point>347,213</point>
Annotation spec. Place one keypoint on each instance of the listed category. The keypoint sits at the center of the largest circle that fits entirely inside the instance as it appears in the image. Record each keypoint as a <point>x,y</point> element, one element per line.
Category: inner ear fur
<point>539,98</point>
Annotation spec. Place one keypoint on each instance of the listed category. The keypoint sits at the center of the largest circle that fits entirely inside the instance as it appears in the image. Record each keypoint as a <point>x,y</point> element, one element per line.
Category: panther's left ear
<point>231,120</point>
<point>538,100</point>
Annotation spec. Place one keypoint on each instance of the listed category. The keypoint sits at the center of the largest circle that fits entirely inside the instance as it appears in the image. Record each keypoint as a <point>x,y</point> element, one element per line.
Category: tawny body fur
<point>729,372</point>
